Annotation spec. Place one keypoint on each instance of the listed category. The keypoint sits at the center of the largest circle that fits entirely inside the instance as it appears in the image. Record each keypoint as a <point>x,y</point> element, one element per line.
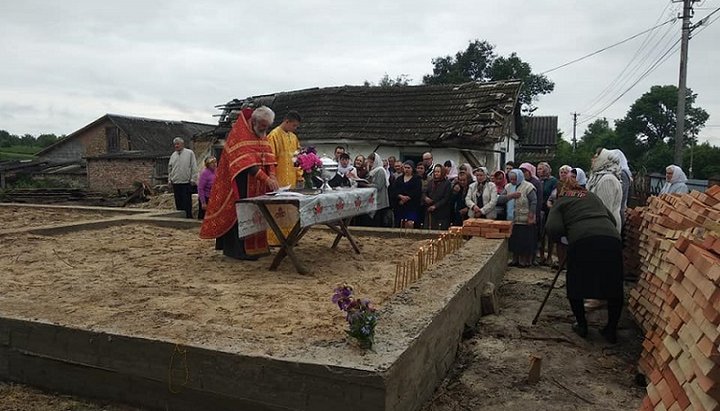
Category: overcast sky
<point>66,63</point>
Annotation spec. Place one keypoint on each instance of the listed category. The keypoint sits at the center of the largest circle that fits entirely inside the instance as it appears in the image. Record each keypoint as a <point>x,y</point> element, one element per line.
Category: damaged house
<point>116,151</point>
<point>472,122</point>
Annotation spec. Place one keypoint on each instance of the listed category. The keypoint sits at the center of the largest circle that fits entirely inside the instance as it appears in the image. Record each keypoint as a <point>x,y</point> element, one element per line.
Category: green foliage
<point>478,62</point>
<point>646,136</point>
<point>44,140</point>
<point>652,119</point>
<point>387,81</point>
<point>28,140</point>
<point>705,160</point>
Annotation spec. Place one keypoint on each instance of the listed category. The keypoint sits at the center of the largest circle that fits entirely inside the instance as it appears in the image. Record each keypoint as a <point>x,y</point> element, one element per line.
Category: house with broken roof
<point>117,151</point>
<point>471,122</point>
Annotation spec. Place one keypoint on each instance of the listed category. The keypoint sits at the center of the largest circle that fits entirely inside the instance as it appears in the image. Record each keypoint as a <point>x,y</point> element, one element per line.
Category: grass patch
<point>4,155</point>
<point>21,149</point>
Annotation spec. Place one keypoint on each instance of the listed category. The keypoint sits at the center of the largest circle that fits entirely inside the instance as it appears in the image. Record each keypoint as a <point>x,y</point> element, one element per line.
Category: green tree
<point>44,140</point>
<point>652,118</point>
<point>478,62</point>
<point>7,139</point>
<point>387,81</point>
<point>704,160</point>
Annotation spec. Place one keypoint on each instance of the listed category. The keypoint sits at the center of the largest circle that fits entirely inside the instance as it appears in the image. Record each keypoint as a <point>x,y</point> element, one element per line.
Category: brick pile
<point>631,241</point>
<point>485,228</point>
<point>677,300</point>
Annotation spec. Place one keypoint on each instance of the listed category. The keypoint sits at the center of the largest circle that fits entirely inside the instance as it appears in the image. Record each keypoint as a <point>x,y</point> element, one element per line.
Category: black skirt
<point>523,239</point>
<point>595,269</point>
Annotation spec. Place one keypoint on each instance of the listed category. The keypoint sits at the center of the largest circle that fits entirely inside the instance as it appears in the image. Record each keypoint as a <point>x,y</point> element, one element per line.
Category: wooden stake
<point>397,277</point>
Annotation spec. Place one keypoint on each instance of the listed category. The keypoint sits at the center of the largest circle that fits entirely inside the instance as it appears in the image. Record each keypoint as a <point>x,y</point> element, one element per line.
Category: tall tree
<point>478,62</point>
<point>652,118</point>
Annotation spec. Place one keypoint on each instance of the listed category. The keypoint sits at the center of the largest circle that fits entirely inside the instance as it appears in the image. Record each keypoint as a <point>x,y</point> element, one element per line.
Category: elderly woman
<point>406,195</point>
<point>521,199</point>
<point>360,166</point>
<point>437,200</point>
<point>378,178</point>
<point>626,181</point>
<point>605,182</point>
<point>594,256</point>
<point>459,193</point>
<point>530,174</point>
<point>675,180</point>
<point>500,182</point>
<point>205,183</point>
<point>482,196</point>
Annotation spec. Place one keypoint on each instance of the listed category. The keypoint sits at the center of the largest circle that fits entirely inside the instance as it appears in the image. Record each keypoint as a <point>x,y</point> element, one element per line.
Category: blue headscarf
<point>511,189</point>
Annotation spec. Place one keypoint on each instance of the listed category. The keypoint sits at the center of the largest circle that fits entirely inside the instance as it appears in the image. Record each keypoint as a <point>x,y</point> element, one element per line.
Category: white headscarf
<point>677,180</point>
<point>624,166</point>
<point>581,177</point>
<point>453,173</point>
<point>378,164</point>
<point>468,169</point>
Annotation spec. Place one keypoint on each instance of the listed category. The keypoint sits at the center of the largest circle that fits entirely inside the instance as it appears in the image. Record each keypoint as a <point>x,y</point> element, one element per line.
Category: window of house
<point>113,139</point>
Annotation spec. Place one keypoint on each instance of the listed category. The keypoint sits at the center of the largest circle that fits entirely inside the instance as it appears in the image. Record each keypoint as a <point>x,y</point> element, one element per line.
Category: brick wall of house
<point>95,140</point>
<point>109,175</point>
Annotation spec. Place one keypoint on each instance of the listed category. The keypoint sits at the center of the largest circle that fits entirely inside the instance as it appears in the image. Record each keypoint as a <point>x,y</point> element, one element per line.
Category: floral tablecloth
<point>310,209</point>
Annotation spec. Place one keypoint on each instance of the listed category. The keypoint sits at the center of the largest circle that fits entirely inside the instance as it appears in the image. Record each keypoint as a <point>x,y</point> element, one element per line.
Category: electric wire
<point>636,63</point>
<point>607,48</point>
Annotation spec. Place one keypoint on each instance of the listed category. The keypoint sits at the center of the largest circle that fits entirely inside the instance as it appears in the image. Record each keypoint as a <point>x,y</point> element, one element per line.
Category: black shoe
<point>581,330</point>
<point>609,334</point>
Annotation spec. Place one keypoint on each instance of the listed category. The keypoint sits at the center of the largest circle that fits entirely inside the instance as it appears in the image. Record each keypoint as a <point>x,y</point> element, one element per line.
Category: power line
<point>607,48</point>
<point>647,72</point>
<point>622,78</point>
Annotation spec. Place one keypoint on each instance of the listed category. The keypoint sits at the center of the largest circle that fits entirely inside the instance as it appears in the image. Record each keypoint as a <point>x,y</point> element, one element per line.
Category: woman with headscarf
<point>406,194</point>
<point>565,174</point>
<point>437,200</point>
<point>605,182</point>
<point>594,256</point>
<point>626,181</point>
<point>459,192</point>
<point>530,174</point>
<point>578,174</point>
<point>521,199</point>
<point>451,170</point>
<point>675,180</point>
<point>482,196</point>
<point>378,178</point>
<point>469,171</point>
<point>500,183</point>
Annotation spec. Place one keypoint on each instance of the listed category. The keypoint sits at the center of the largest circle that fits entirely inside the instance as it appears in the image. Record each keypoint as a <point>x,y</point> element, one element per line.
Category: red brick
<point>682,243</point>
<point>653,394</point>
<point>666,394</point>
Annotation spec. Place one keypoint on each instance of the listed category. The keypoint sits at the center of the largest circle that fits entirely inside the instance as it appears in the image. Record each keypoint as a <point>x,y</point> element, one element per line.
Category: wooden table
<point>333,209</point>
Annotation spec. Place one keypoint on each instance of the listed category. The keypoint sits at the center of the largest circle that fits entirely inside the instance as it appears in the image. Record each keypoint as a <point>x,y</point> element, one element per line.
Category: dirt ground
<point>18,217</point>
<point>492,365</point>
<point>490,371</point>
<point>167,283</point>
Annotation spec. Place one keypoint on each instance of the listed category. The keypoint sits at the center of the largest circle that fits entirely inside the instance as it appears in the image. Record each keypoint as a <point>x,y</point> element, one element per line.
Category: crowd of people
<point>580,217</point>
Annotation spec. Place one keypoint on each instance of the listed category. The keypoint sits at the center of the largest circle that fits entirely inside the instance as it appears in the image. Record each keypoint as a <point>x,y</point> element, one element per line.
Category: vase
<point>308,181</point>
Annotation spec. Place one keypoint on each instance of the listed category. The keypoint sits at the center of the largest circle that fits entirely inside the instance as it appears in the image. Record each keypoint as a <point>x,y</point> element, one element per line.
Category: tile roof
<point>151,137</point>
<point>463,115</point>
<point>540,131</point>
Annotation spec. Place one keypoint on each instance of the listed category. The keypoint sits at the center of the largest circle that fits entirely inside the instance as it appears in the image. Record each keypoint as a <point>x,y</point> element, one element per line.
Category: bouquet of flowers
<point>309,162</point>
<point>360,315</point>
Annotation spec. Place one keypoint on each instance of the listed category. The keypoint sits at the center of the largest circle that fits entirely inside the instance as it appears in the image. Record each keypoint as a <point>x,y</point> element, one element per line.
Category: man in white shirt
<point>182,175</point>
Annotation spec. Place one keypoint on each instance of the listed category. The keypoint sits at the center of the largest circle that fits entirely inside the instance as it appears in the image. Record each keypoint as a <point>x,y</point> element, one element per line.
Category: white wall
<point>440,155</point>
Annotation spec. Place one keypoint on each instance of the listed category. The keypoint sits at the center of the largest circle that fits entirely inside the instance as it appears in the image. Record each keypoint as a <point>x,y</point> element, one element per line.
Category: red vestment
<point>242,152</point>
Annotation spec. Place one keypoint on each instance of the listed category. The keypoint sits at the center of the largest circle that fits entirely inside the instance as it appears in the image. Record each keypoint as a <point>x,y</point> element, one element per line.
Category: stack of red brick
<point>677,300</point>
<point>486,228</point>
<point>631,241</point>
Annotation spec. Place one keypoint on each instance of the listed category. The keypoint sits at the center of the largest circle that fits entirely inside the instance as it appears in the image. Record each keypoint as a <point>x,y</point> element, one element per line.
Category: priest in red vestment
<point>246,169</point>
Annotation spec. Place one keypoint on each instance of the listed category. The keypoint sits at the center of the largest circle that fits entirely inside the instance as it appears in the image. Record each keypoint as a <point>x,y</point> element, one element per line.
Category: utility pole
<point>574,140</point>
<point>682,83</point>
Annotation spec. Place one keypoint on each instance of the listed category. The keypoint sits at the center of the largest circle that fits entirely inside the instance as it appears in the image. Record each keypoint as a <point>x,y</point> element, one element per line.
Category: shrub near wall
<point>110,175</point>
